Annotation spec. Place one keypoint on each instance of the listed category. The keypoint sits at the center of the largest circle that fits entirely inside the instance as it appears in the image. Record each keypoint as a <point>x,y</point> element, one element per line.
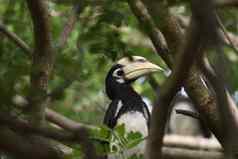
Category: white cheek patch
<point>115,73</point>
<point>120,80</point>
<point>134,122</point>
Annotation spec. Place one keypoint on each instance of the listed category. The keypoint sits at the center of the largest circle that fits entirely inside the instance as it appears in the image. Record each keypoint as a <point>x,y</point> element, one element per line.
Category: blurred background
<point>88,37</point>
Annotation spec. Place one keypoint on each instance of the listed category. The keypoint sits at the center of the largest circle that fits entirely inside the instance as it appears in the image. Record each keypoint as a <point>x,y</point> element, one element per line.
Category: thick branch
<point>194,143</point>
<point>226,106</point>
<point>26,147</point>
<point>21,125</point>
<point>65,122</point>
<point>166,23</point>
<point>150,29</point>
<point>171,142</point>
<point>77,136</point>
<point>187,145</point>
<point>181,153</point>
<point>42,64</point>
<point>218,3</point>
<point>226,3</point>
<point>201,23</point>
<point>205,102</point>
<point>43,58</point>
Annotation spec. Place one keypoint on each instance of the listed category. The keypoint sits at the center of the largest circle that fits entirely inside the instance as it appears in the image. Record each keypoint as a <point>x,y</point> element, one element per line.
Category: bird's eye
<point>120,73</point>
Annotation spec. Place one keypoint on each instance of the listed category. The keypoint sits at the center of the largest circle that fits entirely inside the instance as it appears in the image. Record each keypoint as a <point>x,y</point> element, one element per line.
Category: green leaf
<point>101,134</point>
<point>134,138</point>
<point>120,130</point>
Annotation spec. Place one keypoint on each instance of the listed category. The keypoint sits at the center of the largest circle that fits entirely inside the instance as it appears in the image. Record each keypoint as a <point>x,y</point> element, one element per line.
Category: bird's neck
<point>124,92</point>
<point>130,101</point>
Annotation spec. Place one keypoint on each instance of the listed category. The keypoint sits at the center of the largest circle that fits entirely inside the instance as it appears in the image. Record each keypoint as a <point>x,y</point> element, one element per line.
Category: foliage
<point>116,141</point>
<point>103,33</point>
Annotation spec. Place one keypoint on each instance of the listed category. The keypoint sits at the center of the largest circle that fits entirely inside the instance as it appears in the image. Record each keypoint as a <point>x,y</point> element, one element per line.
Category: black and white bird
<point>127,106</point>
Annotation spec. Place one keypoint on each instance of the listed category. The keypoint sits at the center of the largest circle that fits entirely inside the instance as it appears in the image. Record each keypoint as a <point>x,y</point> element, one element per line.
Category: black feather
<point>131,100</point>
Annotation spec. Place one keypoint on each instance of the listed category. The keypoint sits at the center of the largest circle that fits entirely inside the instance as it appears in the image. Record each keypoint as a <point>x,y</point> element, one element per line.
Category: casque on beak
<point>137,67</point>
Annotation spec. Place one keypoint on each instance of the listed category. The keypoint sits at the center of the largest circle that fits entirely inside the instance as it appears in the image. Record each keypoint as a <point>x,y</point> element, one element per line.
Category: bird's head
<point>127,70</point>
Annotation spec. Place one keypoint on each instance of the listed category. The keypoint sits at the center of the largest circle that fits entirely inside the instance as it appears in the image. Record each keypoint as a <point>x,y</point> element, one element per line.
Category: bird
<point>127,106</point>
<point>184,119</point>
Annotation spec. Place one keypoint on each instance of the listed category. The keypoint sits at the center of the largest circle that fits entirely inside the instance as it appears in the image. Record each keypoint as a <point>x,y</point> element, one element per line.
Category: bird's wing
<point>146,113</point>
<point>109,118</point>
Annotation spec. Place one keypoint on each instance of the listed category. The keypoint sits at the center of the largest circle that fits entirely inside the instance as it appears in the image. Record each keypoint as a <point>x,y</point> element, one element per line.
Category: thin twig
<point>16,39</point>
<point>56,118</point>
<point>59,90</point>
<point>67,30</point>
<point>229,38</point>
<point>226,34</point>
<point>188,113</point>
<point>70,24</point>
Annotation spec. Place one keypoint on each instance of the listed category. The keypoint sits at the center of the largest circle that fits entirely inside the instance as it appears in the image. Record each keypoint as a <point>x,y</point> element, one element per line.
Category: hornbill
<point>127,105</point>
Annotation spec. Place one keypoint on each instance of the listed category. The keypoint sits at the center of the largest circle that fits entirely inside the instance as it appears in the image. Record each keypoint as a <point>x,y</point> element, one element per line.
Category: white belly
<point>134,122</point>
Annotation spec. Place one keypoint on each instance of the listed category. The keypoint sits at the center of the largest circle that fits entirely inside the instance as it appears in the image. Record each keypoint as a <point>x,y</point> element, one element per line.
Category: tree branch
<point>204,100</point>
<point>181,153</point>
<point>42,65</point>
<point>171,143</point>
<point>58,91</point>
<point>194,143</point>
<point>226,3</point>
<point>19,42</point>
<point>188,113</point>
<point>65,122</point>
<point>197,86</point>
<point>43,59</point>
<point>203,20</point>
<point>150,29</point>
<point>56,118</point>
<point>26,147</point>
<point>77,136</point>
<point>227,109</point>
<point>70,24</point>
<point>218,3</point>
<point>228,38</point>
<point>20,125</point>
<point>68,28</point>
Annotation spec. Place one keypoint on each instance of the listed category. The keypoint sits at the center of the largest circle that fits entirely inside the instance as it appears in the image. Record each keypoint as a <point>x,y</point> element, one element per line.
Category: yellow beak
<point>136,68</point>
